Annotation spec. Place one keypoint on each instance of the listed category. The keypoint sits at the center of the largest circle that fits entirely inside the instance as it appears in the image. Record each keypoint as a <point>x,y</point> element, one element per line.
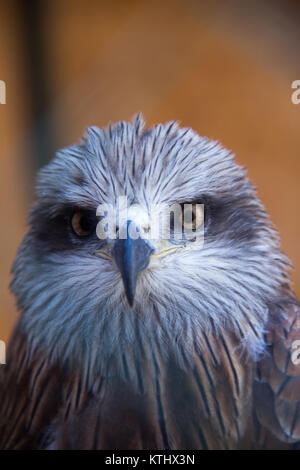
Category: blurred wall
<point>223,68</point>
<point>13,167</point>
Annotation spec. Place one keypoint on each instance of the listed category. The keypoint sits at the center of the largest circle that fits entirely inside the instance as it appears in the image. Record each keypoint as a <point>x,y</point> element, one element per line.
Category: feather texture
<point>222,402</point>
<point>202,360</point>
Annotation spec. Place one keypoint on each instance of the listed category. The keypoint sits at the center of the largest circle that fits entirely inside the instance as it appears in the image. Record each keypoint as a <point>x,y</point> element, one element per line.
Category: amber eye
<point>193,216</point>
<point>81,224</point>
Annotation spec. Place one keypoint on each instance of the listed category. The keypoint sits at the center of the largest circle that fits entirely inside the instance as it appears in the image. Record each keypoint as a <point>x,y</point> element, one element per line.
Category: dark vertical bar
<point>32,18</point>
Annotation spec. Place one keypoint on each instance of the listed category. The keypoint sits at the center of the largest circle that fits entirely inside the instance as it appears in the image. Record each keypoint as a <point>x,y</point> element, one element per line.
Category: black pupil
<point>87,222</point>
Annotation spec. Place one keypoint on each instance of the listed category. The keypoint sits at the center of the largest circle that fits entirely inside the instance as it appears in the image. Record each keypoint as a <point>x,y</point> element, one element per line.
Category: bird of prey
<point>139,343</point>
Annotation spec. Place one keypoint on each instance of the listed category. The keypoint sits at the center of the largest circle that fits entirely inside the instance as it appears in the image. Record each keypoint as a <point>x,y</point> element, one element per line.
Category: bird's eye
<point>193,216</point>
<point>82,224</point>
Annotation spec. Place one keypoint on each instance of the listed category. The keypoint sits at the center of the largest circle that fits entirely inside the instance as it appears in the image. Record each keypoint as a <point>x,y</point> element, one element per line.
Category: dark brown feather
<point>215,404</point>
<point>277,385</point>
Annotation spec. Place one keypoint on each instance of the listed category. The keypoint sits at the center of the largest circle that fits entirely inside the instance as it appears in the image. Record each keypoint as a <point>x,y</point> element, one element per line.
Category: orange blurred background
<point>223,68</point>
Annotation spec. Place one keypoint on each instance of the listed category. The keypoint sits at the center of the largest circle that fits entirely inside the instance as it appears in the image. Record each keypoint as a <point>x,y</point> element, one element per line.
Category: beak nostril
<point>146,228</point>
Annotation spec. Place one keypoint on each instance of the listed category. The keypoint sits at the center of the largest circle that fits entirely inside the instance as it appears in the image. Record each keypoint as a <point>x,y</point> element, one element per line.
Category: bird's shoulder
<point>33,393</point>
<point>277,383</point>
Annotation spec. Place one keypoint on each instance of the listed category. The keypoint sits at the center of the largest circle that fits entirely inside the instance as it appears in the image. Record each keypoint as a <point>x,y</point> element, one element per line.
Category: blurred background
<point>224,68</point>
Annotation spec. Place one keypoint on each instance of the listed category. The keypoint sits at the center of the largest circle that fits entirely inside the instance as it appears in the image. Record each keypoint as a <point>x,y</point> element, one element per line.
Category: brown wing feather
<point>30,396</point>
<point>277,385</point>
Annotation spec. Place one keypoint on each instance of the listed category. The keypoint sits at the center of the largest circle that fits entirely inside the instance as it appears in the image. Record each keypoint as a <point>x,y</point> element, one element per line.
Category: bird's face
<point>137,237</point>
<point>86,273</point>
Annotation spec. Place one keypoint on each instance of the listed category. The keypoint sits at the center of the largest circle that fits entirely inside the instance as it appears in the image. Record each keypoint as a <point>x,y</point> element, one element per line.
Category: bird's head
<point>93,271</point>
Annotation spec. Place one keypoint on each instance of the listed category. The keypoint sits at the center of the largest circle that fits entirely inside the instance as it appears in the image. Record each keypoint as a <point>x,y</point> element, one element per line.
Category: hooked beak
<point>131,255</point>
